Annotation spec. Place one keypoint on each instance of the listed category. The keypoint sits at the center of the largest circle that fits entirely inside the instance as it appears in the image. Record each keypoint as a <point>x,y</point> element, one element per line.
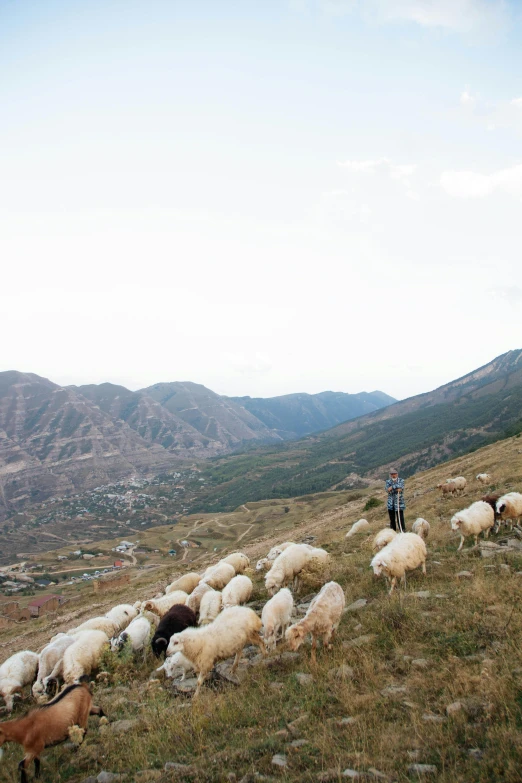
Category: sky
<point>263,197</point>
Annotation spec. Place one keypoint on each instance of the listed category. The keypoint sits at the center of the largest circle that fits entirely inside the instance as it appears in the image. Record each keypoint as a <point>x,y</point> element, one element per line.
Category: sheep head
<point>379,566</point>
<point>295,636</point>
<point>456,522</point>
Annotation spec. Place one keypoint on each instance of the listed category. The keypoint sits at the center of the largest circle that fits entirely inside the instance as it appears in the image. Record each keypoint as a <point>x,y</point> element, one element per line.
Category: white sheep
<point>460,483</point>
<point>109,627</point>
<point>287,566</point>
<point>421,527</point>
<point>173,663</point>
<point>210,606</point>
<point>405,552</point>
<point>50,664</point>
<point>277,616</point>
<point>84,655</point>
<point>472,521</point>
<point>122,615</point>
<point>226,636</point>
<point>263,564</point>
<point>383,538</point>
<point>138,632</point>
<point>509,506</point>
<point>321,620</point>
<point>219,576</point>
<point>483,478</point>
<point>277,549</point>
<point>187,583</point>
<point>237,592</point>
<point>362,524</point>
<point>238,561</point>
<point>161,606</point>
<point>15,673</point>
<point>194,600</point>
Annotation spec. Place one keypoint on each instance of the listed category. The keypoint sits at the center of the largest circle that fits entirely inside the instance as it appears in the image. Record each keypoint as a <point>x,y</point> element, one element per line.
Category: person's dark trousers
<point>392,513</point>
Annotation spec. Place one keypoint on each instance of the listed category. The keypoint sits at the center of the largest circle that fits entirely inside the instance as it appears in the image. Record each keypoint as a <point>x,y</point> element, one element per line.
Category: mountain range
<point>58,440</point>
<point>414,434</point>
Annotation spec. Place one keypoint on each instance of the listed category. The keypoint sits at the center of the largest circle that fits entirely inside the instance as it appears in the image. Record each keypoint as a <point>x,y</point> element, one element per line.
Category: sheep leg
<point>314,646</point>
<point>393,583</point>
<point>201,679</point>
<point>486,533</point>
<point>424,568</point>
<point>236,662</point>
<point>461,543</point>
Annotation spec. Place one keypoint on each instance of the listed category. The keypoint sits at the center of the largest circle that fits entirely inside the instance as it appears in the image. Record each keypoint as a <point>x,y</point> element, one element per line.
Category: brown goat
<point>50,725</point>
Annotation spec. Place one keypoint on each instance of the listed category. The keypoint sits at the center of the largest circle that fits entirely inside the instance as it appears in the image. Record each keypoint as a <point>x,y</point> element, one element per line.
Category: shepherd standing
<point>394,486</point>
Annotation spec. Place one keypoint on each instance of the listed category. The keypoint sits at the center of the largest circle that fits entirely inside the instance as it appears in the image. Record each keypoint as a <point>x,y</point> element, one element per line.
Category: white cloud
<point>385,169</point>
<point>468,100</point>
<point>459,15</point>
<point>464,16</point>
<point>511,295</point>
<point>471,184</point>
<point>381,166</point>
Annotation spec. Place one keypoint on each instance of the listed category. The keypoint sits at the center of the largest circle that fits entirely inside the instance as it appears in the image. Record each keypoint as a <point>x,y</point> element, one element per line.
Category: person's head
<point>393,473</point>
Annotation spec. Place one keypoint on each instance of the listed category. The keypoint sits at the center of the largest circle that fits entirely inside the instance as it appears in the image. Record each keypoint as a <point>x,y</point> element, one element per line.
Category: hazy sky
<point>264,196</point>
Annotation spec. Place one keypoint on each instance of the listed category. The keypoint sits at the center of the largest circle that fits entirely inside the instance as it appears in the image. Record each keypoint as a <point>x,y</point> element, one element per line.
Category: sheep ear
<point>161,667</point>
<point>384,564</point>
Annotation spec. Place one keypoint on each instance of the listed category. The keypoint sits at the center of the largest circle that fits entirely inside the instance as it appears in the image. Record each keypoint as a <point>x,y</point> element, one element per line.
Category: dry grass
<point>467,636</point>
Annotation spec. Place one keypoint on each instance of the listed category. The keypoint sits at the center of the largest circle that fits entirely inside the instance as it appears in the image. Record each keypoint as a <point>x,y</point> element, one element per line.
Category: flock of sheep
<point>201,618</point>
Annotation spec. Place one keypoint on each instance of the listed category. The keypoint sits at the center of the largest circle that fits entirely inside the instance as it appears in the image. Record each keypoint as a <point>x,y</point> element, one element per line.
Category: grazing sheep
<point>383,538</point>
<point>83,655</point>
<point>238,561</point>
<point>460,483</point>
<point>15,673</point>
<point>219,575</point>
<point>405,552</point>
<point>63,717</point>
<point>210,606</point>
<point>122,615</point>
<point>50,664</point>
<point>449,488</point>
<point>321,620</point>
<point>277,549</point>
<point>175,620</point>
<point>287,566</point>
<point>138,632</point>
<point>187,583</point>
<point>161,606</point>
<point>109,627</point>
<point>421,527</point>
<point>360,525</point>
<point>237,592</point>
<point>173,663</point>
<point>194,599</point>
<point>226,636</point>
<point>472,521</point>
<point>276,616</point>
<point>263,564</point>
<point>484,478</point>
<point>509,506</point>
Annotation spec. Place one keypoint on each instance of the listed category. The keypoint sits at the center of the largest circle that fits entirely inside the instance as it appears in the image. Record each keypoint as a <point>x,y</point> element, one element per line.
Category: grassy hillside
<point>445,640</point>
<point>414,440</point>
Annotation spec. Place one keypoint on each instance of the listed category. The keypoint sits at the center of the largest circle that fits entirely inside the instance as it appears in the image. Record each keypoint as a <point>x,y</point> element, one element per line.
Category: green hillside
<point>415,440</point>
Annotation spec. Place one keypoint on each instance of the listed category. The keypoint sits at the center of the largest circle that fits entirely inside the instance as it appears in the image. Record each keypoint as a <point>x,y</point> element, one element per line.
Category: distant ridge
<point>295,415</point>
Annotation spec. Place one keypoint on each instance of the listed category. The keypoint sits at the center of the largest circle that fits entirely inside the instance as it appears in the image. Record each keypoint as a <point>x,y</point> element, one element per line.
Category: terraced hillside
<point>431,676</point>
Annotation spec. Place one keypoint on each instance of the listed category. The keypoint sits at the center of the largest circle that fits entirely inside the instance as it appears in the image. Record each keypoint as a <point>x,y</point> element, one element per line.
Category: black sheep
<point>174,621</point>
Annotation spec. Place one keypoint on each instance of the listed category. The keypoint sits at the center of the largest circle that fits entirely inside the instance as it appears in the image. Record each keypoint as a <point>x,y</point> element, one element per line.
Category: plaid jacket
<point>397,484</point>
